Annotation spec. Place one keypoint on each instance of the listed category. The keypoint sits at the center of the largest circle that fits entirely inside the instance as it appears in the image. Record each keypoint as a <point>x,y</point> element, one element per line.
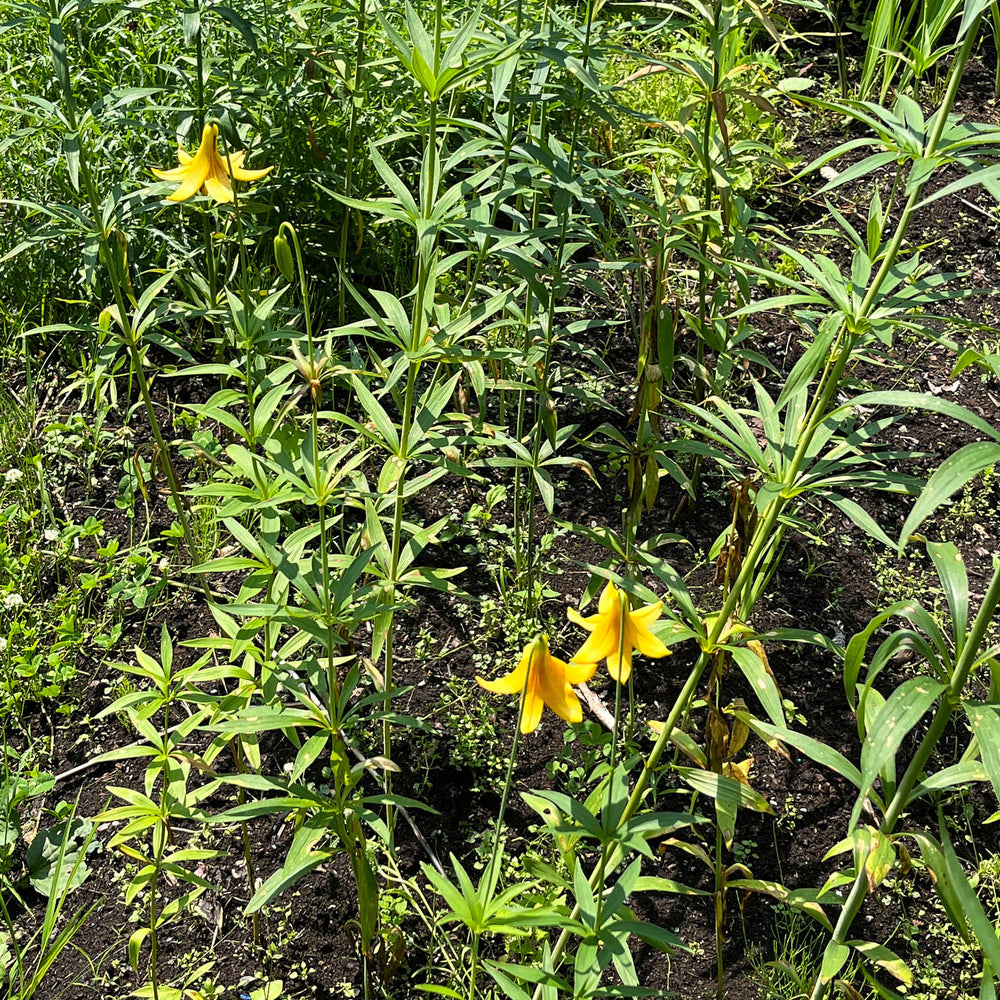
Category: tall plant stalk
<point>350,156</point>
<point>423,302</point>
<point>117,279</point>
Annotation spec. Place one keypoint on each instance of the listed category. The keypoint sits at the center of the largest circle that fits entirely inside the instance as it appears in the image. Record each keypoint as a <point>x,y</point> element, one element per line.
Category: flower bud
<point>283,257</point>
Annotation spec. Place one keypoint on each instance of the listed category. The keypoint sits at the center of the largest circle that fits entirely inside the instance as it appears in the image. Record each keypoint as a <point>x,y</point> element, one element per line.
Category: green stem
<point>940,120</point>
<point>709,192</point>
<point>397,523</point>
<point>248,320</point>
<point>359,55</point>
<point>240,760</point>
<point>761,542</point>
<point>719,900</point>
<point>153,943</point>
<point>473,966</point>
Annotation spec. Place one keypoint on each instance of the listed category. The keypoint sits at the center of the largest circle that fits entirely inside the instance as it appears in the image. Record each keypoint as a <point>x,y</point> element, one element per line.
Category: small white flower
<point>12,601</point>
<point>163,565</point>
<point>13,476</point>
<point>50,535</point>
<point>3,645</point>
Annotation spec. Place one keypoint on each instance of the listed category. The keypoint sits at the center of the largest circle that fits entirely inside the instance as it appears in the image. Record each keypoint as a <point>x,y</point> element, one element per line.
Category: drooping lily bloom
<point>209,172</point>
<point>607,641</point>
<point>545,680</point>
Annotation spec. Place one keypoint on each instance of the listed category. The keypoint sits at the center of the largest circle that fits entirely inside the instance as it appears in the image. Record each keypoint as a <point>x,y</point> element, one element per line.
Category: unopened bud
<point>283,257</point>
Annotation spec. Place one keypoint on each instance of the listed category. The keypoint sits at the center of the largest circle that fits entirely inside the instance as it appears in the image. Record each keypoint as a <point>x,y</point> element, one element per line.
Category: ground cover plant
<point>499,500</point>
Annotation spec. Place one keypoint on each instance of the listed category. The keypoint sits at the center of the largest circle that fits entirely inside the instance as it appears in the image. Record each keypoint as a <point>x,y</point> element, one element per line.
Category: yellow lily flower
<point>545,680</point>
<point>606,640</point>
<point>209,172</point>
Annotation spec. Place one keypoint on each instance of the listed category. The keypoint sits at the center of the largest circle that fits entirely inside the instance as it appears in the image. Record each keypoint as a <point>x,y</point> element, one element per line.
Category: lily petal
<point>177,174</point>
<point>513,683</point>
<point>240,174</point>
<point>620,672</point>
<point>638,632</point>
<point>580,673</point>
<point>531,711</point>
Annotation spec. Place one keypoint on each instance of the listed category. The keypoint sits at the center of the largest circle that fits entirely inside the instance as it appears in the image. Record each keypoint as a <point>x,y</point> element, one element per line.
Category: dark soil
<point>307,938</point>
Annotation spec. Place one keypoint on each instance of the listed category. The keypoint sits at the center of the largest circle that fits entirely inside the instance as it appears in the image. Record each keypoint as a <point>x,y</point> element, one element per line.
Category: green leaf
<point>834,958</point>
<point>951,475</point>
<point>951,570</point>
<point>860,517</point>
<point>971,12</point>
<point>919,401</point>
<point>55,859</point>
<point>387,435</point>
<point>308,754</point>
<point>134,944</point>
<point>760,681</point>
<point>950,777</point>
<point>981,924</point>
<point>729,795</point>
<point>57,48</point>
<point>985,725</point>
<point>656,883</point>
<point>801,376</point>
<point>284,878</point>
<point>806,900</point>
<point>884,959</point>
<point>904,708</point>
<point>240,23</point>
<point>812,748</point>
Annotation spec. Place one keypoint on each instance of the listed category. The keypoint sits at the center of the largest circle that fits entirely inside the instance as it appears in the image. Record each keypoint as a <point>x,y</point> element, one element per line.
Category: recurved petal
<point>190,186</point>
<point>639,635</point>
<point>512,683</point>
<point>248,175</point>
<point>508,684</point>
<point>580,673</point>
<point>647,614</point>
<point>577,619</point>
<point>184,156</point>
<point>602,642</point>
<point>175,174</point>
